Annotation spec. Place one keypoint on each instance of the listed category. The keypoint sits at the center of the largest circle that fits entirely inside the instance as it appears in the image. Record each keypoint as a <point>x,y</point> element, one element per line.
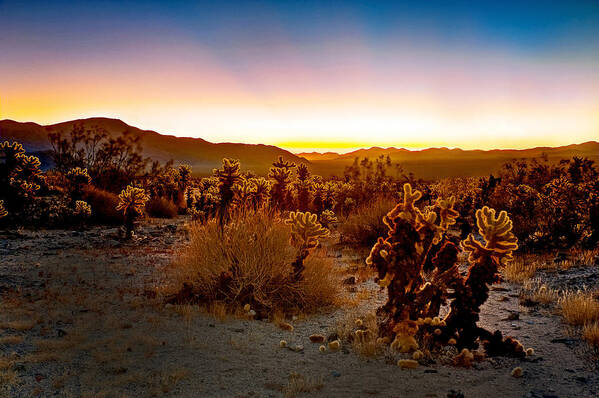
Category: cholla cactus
<point>305,233</point>
<point>228,176</point>
<point>81,213</point>
<point>82,209</point>
<point>327,218</point>
<point>3,212</point>
<point>131,202</point>
<point>78,178</point>
<point>243,191</point>
<point>280,187</point>
<point>415,296</point>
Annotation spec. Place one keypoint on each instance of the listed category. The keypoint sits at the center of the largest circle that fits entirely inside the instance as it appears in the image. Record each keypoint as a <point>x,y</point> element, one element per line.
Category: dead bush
<point>103,204</point>
<point>159,207</point>
<point>365,224</point>
<point>248,261</point>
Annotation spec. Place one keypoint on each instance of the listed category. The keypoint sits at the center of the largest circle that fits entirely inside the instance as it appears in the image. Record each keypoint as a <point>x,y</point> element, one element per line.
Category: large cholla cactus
<point>305,233</point>
<point>417,237</point>
<point>131,202</point>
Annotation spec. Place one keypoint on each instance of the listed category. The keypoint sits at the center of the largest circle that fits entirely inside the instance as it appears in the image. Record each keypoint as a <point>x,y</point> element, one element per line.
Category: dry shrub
<point>536,292</point>
<point>365,224</point>
<point>103,204</point>
<point>521,269</point>
<point>299,383</point>
<point>579,308</point>
<point>161,208</point>
<point>363,333</point>
<point>254,251</point>
<point>590,333</point>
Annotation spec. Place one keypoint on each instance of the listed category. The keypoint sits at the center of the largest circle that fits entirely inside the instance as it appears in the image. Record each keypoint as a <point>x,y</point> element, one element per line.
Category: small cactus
<point>517,372</point>
<point>3,212</point>
<point>334,345</point>
<point>131,202</point>
<point>305,233</point>
<point>322,348</point>
<point>283,344</point>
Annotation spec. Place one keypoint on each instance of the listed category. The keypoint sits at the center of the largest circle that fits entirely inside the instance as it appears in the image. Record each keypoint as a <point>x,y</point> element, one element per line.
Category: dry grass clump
<point>521,269</point>
<point>299,383</point>
<point>365,224</point>
<point>362,332</point>
<point>161,208</point>
<point>579,308</point>
<point>590,332</point>
<point>536,292</point>
<point>249,261</point>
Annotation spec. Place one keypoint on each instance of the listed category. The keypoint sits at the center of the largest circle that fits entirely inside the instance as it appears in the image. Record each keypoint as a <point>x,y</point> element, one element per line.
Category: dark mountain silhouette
<point>203,156</point>
<point>444,162</point>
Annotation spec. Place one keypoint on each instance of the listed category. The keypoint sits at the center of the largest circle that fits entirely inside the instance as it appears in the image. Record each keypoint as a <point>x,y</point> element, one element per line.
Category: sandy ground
<point>78,319</point>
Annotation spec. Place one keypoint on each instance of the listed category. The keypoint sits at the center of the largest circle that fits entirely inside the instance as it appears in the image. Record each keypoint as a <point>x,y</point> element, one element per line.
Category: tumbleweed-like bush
<point>411,313</point>
<point>249,261</point>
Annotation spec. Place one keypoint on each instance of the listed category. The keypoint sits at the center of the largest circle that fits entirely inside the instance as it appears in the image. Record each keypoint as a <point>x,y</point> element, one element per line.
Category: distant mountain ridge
<point>203,155</point>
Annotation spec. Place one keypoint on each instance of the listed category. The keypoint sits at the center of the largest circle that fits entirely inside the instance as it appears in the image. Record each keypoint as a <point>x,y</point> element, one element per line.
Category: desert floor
<point>78,318</point>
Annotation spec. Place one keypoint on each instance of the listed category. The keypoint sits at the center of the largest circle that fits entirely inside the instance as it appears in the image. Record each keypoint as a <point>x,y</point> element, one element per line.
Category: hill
<point>443,162</point>
<point>202,155</point>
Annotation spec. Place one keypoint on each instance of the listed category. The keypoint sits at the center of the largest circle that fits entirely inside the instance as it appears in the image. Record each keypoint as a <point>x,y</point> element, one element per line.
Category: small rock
<point>350,281</point>
<point>61,333</point>
<point>334,373</point>
<point>513,316</point>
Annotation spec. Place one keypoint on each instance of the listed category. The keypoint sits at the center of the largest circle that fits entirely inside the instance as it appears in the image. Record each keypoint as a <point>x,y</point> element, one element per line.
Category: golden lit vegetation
<point>249,261</point>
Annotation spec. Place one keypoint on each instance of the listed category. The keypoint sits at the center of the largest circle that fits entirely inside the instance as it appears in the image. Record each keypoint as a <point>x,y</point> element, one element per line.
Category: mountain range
<point>203,156</point>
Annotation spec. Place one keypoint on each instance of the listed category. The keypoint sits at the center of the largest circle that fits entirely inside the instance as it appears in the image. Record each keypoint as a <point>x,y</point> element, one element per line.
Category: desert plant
<point>248,261</point>
<point>415,296</point>
<point>131,202</point>
<point>161,208</point>
<point>3,212</point>
<point>228,176</point>
<point>305,233</point>
<point>364,224</point>
<point>104,204</point>
<point>112,162</point>
<point>81,213</point>
<point>21,180</point>
<point>327,219</point>
<point>281,174</point>
<point>77,179</point>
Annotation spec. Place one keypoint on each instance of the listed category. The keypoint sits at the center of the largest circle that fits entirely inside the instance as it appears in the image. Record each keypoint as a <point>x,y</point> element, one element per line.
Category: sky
<point>311,75</point>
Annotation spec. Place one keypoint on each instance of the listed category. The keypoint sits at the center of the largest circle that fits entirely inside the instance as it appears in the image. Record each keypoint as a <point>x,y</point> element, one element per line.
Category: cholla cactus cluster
<point>3,212</point>
<point>305,234</point>
<point>21,179</point>
<point>82,209</point>
<point>327,218</point>
<point>131,202</point>
<point>77,179</point>
<point>416,237</point>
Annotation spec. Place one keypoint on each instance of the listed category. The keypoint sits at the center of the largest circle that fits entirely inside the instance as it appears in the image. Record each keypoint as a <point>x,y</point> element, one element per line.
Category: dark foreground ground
<point>78,319</point>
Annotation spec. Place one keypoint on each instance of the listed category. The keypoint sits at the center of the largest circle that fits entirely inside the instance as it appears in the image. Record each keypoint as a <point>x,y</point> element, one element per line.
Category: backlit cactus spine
<point>131,202</point>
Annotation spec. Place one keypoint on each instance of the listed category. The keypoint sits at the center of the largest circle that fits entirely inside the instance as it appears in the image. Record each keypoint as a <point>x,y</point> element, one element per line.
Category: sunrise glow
<point>298,82</point>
